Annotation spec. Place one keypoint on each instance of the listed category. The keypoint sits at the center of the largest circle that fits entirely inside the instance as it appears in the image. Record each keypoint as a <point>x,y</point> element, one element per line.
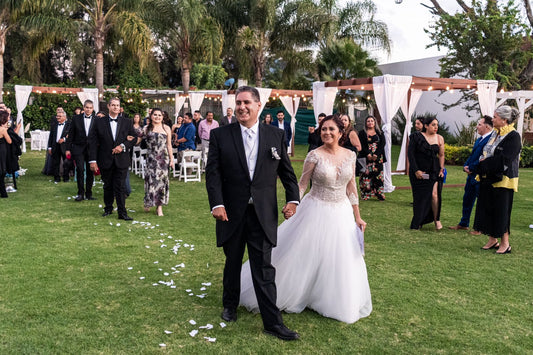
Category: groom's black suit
<point>78,145</point>
<point>255,224</point>
<point>113,167</point>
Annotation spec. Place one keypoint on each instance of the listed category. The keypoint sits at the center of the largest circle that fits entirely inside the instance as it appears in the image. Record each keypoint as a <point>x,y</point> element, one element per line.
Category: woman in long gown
<point>373,151</point>
<point>158,160</point>
<point>319,258</point>
<point>426,172</point>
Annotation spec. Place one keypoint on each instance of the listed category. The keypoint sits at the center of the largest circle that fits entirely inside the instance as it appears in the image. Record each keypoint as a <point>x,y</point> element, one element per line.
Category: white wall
<point>431,101</point>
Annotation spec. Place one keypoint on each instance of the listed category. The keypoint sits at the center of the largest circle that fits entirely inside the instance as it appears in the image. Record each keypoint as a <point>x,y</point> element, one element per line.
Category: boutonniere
<point>275,154</point>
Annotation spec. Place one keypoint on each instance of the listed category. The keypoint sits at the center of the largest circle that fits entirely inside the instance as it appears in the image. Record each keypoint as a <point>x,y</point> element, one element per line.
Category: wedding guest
<point>498,174</point>
<point>484,129</point>
<point>284,125</point>
<point>186,136</point>
<point>166,119</point>
<point>5,140</point>
<point>158,160</point>
<point>351,139</point>
<point>57,147</point>
<point>137,139</point>
<point>196,118</point>
<point>419,124</point>
<point>316,248</point>
<point>426,172</point>
<point>77,110</point>
<point>373,151</point>
<point>229,118</point>
<point>14,150</point>
<point>205,127</point>
<point>267,119</point>
<point>314,139</point>
<point>175,128</point>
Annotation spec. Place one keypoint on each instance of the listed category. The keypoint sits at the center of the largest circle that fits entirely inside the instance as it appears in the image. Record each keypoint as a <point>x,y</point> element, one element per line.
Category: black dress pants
<point>251,234</point>
<point>113,179</point>
<point>83,168</point>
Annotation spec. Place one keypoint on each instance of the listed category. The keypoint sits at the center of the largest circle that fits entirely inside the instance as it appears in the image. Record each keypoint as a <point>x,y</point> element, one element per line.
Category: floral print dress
<point>371,179</point>
<point>156,171</point>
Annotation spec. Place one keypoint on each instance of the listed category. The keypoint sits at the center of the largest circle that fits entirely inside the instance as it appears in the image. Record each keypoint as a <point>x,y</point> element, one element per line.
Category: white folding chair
<point>142,162</point>
<point>190,169</point>
<point>176,170</point>
<point>35,140</point>
<point>44,139</point>
<point>136,160</point>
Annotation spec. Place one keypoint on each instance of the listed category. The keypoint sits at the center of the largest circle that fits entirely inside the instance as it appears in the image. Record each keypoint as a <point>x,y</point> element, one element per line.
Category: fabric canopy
<point>22,94</point>
<point>408,109</point>
<point>291,106</point>
<point>323,98</point>
<point>486,90</point>
<point>389,91</point>
<point>264,94</point>
<point>178,104</point>
<point>89,94</point>
<point>196,99</point>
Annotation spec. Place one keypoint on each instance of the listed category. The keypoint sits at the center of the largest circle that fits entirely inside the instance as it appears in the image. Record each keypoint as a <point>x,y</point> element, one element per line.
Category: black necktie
<point>87,118</point>
<point>113,119</point>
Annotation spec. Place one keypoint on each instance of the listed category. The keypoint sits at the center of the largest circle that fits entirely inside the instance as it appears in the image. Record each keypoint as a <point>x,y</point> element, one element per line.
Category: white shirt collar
<point>253,128</point>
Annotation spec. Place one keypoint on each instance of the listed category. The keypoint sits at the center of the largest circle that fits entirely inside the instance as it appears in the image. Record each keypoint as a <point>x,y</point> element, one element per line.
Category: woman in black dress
<point>426,172</point>
<point>373,151</point>
<point>5,139</point>
<point>498,174</point>
<point>350,138</point>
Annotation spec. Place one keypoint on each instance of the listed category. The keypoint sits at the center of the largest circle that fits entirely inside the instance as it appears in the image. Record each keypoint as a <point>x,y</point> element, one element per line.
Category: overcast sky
<point>406,23</point>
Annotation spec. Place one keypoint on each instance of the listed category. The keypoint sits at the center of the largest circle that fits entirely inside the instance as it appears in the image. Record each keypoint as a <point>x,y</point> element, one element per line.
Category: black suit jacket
<point>78,140</point>
<point>101,142</point>
<point>224,120</point>
<point>53,134</point>
<point>228,181</point>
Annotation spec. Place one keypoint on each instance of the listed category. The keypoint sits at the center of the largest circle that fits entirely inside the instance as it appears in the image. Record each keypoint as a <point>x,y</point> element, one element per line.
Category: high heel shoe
<point>493,246</point>
<point>507,251</point>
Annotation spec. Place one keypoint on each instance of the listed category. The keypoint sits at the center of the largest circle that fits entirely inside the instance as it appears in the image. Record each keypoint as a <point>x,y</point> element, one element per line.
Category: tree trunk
<point>100,71</point>
<point>2,50</point>
<point>185,76</point>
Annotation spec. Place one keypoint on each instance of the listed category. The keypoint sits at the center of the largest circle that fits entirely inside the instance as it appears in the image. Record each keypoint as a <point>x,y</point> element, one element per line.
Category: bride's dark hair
<point>336,118</point>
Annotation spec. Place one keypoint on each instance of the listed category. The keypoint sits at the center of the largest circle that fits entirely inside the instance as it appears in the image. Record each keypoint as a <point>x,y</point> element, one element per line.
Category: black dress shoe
<point>282,332</point>
<point>79,198</point>
<point>229,315</point>
<point>90,198</point>
<point>106,213</point>
<point>125,217</point>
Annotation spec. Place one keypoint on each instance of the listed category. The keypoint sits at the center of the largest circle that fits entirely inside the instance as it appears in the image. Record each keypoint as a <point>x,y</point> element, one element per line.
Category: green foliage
<point>526,157</point>
<point>454,155</point>
<point>466,134</point>
<point>484,43</point>
<point>208,77</point>
<point>130,99</point>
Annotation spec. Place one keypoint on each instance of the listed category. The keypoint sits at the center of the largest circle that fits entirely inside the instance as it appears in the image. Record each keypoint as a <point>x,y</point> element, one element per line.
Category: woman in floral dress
<point>373,151</point>
<point>158,158</point>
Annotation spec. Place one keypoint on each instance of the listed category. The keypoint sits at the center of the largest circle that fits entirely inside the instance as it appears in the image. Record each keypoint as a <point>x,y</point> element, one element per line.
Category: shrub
<point>454,155</point>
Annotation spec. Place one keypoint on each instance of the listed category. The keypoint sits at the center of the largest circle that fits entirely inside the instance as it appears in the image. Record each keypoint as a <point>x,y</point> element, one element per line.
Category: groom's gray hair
<point>251,90</point>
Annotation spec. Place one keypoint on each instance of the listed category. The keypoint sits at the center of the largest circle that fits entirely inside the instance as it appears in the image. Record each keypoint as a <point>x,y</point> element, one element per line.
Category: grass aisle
<point>73,282</point>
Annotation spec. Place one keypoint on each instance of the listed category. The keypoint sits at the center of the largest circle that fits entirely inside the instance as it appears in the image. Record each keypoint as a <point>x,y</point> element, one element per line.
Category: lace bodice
<point>333,176</point>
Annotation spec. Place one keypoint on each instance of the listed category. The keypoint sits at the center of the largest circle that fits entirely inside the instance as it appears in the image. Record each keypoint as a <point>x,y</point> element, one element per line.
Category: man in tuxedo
<point>284,125</point>
<point>252,156</point>
<point>484,129</point>
<point>57,146</point>
<point>229,118</point>
<point>314,140</point>
<point>108,152</point>
<point>78,147</point>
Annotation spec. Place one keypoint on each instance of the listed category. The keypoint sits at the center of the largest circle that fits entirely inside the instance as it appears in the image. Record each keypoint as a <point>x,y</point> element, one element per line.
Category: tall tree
<point>125,18</point>
<point>487,40</point>
<point>194,35</point>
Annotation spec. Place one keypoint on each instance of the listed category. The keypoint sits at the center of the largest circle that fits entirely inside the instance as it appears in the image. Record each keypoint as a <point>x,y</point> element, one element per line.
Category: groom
<point>243,164</point>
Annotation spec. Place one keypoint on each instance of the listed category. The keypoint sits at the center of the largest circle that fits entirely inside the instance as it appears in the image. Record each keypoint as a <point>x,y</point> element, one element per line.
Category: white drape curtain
<point>178,104</point>
<point>228,100</point>
<point>196,99</point>
<point>408,109</point>
<point>90,94</point>
<point>323,98</point>
<point>487,96</point>
<point>291,106</point>
<point>389,91</point>
<point>264,94</point>
<point>22,94</point>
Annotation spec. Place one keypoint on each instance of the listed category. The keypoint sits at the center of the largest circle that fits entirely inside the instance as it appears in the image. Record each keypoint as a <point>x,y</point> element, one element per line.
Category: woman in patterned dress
<point>373,151</point>
<point>158,158</point>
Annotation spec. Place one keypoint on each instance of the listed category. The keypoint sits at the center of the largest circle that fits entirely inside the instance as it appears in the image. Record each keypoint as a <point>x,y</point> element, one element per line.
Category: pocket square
<point>275,154</point>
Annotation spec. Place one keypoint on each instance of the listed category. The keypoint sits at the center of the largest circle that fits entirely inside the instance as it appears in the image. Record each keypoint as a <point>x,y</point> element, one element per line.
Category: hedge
<point>454,155</point>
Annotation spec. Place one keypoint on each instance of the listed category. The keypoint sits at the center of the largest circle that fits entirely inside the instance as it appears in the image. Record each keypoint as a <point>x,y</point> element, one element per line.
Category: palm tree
<point>187,27</point>
<point>126,19</point>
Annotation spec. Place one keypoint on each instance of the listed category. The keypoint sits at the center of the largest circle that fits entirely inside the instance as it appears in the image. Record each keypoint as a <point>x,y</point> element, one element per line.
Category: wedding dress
<point>318,258</point>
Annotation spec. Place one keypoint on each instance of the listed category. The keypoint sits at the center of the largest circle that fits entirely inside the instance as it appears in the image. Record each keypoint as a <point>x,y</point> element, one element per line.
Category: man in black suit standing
<point>229,118</point>
<point>78,147</point>
<point>57,146</point>
<point>251,156</point>
<point>108,152</point>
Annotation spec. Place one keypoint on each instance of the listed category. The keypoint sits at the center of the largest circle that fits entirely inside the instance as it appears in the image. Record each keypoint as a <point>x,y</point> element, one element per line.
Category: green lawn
<point>66,286</point>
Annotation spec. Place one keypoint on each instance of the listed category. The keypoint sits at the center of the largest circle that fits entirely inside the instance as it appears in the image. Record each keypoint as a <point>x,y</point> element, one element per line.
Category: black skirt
<point>493,210</point>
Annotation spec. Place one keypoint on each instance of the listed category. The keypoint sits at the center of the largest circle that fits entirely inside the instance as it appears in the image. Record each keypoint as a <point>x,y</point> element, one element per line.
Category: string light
<point>468,86</point>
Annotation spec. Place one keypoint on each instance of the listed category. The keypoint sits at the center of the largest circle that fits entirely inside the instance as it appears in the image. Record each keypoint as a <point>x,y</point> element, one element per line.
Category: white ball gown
<point>318,259</point>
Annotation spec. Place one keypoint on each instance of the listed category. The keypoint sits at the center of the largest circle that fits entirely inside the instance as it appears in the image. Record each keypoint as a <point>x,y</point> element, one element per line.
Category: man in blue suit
<point>284,125</point>
<point>484,129</point>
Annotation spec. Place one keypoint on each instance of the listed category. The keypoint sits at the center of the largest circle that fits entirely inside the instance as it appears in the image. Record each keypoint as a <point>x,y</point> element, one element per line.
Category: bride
<point>318,259</point>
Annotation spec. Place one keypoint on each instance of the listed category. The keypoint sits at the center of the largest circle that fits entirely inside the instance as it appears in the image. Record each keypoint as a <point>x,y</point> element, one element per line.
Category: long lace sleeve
<point>351,187</point>
<point>307,173</point>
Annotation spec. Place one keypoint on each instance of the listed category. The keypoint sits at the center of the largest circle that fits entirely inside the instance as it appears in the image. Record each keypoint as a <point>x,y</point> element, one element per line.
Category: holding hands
<point>289,210</point>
